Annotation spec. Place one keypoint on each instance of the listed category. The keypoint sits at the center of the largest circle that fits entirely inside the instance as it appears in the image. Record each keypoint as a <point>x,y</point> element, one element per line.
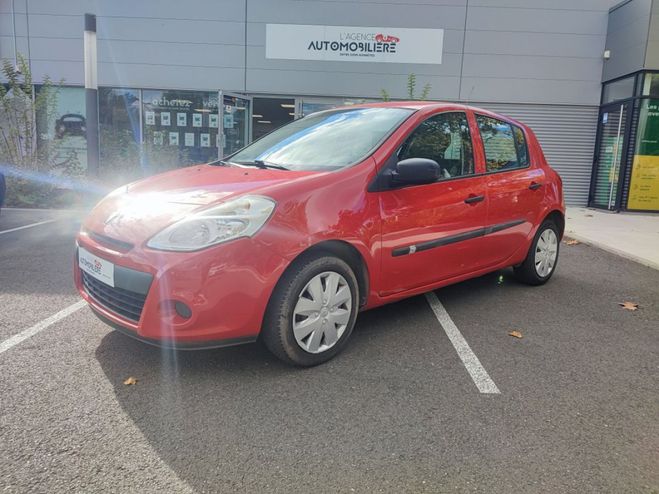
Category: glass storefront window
<point>644,184</point>
<point>119,133</point>
<point>309,108</point>
<point>61,127</point>
<point>235,124</point>
<point>313,105</point>
<point>651,85</point>
<point>618,90</point>
<point>271,113</point>
<point>179,128</point>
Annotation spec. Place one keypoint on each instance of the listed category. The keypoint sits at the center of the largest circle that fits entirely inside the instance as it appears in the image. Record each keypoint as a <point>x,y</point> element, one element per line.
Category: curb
<point>600,245</point>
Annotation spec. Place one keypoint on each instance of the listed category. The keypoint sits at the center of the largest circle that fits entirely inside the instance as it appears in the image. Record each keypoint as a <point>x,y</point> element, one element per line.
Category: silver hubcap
<point>546,252</point>
<point>322,312</point>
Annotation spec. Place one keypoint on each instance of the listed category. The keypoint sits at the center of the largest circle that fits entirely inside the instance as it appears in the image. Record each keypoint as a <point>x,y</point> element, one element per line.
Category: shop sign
<point>644,184</point>
<point>354,44</point>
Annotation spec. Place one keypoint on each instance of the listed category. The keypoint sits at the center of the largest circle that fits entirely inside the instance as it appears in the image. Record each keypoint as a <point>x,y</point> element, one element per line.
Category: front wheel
<point>312,311</point>
<point>541,260</point>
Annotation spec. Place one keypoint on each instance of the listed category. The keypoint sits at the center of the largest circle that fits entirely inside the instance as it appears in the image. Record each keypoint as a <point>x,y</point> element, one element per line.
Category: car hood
<point>135,212</point>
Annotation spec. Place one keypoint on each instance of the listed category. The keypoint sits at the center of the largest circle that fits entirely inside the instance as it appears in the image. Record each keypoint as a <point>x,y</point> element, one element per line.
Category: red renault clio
<point>338,212</point>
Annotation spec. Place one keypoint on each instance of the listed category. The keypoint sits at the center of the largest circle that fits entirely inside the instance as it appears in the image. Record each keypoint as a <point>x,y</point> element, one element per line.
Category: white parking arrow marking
<point>479,375</point>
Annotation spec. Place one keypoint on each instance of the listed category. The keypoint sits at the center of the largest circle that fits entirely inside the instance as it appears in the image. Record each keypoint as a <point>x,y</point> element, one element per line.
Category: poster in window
<point>228,120</point>
<point>205,140</point>
<point>182,119</point>
<point>173,138</point>
<point>66,126</point>
<point>644,183</point>
<point>158,138</point>
<point>189,139</point>
<point>150,117</point>
<point>213,120</point>
<point>196,119</point>
<point>164,119</point>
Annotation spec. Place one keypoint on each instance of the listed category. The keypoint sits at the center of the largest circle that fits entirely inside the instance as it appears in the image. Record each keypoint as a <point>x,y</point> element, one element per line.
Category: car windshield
<point>326,140</point>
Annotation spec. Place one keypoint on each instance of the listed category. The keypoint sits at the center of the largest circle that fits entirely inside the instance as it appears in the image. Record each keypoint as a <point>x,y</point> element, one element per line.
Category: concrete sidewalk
<point>634,236</point>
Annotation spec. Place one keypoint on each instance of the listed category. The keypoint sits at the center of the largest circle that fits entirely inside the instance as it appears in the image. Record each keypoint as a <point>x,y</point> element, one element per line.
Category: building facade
<point>626,158</point>
<point>183,82</point>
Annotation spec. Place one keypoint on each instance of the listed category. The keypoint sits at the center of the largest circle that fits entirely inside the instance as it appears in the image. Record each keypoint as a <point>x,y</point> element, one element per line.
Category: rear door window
<point>504,144</point>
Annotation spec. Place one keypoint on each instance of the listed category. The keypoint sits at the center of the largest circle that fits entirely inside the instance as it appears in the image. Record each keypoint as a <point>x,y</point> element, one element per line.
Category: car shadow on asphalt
<point>210,414</point>
<point>237,419</point>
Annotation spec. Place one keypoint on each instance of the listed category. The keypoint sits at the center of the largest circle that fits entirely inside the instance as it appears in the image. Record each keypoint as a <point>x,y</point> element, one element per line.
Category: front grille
<point>126,303</point>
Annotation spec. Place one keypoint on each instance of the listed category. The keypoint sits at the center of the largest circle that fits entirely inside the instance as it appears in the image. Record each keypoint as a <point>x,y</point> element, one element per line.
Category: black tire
<point>277,331</point>
<point>526,272</point>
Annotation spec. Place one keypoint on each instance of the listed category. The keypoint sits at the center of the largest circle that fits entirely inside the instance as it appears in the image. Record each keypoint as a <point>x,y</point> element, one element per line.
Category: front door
<point>434,232</point>
<point>235,123</point>
<point>609,156</point>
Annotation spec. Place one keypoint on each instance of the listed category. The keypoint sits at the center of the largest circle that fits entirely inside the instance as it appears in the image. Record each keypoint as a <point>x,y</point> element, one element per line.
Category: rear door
<point>515,187</point>
<point>434,231</point>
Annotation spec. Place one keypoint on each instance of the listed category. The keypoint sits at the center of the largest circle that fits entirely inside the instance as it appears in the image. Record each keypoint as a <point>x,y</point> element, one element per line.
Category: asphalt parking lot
<point>398,411</point>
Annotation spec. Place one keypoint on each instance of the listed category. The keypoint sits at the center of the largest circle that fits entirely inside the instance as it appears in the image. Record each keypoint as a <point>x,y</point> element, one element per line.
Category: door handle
<point>535,186</point>
<point>472,199</point>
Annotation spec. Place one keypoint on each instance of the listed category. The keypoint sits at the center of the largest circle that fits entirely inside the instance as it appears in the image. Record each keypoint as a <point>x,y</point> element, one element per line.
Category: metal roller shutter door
<point>567,136</point>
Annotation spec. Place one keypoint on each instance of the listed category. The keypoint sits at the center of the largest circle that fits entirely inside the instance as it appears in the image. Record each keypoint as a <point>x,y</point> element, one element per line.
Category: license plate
<point>95,266</point>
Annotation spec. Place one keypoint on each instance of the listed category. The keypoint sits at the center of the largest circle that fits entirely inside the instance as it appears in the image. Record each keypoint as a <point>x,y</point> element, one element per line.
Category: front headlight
<point>241,217</point>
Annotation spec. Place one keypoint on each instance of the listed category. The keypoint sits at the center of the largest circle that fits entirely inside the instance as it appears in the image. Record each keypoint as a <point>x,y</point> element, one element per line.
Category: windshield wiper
<point>262,164</point>
<point>219,163</point>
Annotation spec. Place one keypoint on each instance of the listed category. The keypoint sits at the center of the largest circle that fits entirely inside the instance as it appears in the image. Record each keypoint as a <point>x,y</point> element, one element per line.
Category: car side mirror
<point>416,171</point>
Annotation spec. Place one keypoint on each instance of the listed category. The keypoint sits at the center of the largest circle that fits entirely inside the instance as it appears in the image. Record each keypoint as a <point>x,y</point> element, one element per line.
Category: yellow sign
<point>644,185</point>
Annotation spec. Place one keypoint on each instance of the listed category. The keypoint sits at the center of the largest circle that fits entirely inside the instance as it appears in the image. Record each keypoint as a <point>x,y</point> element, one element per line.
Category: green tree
<point>19,105</point>
<point>34,171</point>
<point>411,90</point>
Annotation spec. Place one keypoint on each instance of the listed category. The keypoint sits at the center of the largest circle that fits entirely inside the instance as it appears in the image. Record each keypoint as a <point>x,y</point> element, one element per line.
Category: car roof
<point>432,106</point>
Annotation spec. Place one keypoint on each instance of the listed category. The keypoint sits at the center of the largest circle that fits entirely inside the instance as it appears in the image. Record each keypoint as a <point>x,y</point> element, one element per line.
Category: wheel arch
<point>557,217</point>
<point>347,253</point>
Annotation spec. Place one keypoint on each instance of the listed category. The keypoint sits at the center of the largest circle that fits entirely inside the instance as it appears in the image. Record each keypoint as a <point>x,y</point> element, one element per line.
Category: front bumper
<point>226,287</point>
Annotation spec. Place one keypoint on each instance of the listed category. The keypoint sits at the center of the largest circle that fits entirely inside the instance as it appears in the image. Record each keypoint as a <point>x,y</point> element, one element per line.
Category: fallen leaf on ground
<point>515,334</point>
<point>572,242</point>
<point>628,305</point>
<point>131,380</point>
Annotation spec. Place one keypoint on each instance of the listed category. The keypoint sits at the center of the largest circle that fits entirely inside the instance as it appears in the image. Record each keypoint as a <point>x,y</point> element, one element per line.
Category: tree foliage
<point>19,107</point>
<point>411,90</point>
<point>34,167</point>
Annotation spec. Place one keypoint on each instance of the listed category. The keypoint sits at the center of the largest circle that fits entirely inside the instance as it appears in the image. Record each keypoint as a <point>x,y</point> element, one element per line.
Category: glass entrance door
<point>235,123</point>
<point>609,155</point>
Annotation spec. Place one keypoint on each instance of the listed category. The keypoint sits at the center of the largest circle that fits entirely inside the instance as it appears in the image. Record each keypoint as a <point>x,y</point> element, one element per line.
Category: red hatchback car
<point>341,211</point>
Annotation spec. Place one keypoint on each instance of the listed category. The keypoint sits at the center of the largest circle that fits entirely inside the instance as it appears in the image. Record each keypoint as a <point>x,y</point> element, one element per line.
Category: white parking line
<point>26,226</point>
<point>40,326</point>
<point>479,375</point>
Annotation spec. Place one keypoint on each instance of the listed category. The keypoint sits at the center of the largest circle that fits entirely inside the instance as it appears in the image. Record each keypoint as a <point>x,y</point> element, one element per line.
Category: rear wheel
<point>312,311</point>
<point>541,260</point>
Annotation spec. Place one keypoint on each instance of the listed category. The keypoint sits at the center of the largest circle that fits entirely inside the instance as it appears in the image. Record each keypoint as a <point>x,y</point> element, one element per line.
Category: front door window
<point>445,139</point>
